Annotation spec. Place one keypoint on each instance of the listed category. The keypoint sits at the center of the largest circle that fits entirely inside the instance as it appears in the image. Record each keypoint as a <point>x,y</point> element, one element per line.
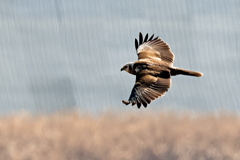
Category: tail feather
<point>176,71</point>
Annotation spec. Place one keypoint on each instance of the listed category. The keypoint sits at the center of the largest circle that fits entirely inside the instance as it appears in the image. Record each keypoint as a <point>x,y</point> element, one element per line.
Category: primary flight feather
<point>153,70</point>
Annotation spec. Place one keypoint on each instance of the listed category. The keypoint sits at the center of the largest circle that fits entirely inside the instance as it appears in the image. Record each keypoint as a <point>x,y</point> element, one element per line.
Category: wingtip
<point>136,43</point>
<point>155,38</point>
<point>145,105</point>
<point>146,38</point>
<point>138,105</point>
<point>140,38</point>
<point>151,38</point>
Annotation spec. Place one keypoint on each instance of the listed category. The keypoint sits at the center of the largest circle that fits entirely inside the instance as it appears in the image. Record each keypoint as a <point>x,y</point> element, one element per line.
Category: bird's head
<point>128,68</point>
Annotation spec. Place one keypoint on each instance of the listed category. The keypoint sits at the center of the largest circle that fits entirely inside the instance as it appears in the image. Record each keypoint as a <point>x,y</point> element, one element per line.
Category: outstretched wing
<point>149,87</point>
<point>153,48</point>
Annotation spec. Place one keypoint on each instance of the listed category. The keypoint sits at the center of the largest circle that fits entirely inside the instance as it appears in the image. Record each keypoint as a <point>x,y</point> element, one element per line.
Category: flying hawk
<point>153,70</point>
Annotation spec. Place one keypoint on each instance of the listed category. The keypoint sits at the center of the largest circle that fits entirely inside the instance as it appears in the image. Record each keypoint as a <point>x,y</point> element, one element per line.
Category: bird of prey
<point>153,70</point>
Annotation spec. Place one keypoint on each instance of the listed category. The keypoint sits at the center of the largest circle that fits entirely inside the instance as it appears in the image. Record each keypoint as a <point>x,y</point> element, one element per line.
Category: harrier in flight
<point>153,70</point>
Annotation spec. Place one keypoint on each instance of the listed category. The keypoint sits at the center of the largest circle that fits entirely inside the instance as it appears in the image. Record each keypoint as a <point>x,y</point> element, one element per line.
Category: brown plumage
<point>153,70</point>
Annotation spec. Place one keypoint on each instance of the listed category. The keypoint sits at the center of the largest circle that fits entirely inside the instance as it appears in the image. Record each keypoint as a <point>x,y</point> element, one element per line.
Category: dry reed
<point>158,136</point>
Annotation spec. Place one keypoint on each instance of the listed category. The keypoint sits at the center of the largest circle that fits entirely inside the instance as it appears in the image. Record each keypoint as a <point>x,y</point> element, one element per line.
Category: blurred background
<point>62,54</point>
<point>62,58</point>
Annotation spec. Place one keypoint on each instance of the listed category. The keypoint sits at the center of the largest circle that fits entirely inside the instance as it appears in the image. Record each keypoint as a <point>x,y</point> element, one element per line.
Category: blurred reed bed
<point>120,136</point>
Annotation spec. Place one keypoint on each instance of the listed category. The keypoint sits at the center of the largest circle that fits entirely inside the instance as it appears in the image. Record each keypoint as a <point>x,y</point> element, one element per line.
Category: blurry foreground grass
<point>163,136</point>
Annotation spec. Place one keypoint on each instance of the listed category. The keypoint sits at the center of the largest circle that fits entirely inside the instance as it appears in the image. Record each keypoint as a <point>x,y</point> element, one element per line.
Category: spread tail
<point>176,71</point>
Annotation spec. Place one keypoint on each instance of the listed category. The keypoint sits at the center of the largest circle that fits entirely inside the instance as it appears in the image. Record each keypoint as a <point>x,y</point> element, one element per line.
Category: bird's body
<point>153,70</point>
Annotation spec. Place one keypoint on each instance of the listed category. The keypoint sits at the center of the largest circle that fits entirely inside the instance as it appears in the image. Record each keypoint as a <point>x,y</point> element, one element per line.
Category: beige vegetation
<point>122,136</point>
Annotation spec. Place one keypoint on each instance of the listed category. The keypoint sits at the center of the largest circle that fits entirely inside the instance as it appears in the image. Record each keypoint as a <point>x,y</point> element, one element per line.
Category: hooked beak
<point>123,68</point>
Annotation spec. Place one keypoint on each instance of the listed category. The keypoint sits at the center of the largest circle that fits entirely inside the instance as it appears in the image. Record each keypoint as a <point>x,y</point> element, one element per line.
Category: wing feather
<point>148,88</point>
<point>136,43</point>
<point>146,38</point>
<point>154,48</point>
<point>151,37</point>
<point>140,38</point>
<point>155,38</point>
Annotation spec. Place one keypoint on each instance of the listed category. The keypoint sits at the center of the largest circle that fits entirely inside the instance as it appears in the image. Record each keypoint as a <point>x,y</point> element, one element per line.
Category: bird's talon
<point>125,102</point>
